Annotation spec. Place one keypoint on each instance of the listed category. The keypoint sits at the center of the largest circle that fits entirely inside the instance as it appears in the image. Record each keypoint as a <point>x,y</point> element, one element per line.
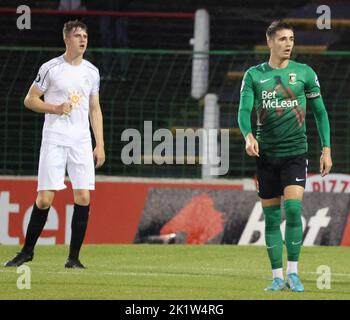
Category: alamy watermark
<point>324,20</point>
<point>177,147</point>
<point>24,20</point>
<point>24,280</point>
<point>324,280</point>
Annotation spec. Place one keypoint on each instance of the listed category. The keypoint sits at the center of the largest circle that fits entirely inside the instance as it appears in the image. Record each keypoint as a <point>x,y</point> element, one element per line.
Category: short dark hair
<point>73,25</point>
<point>276,26</point>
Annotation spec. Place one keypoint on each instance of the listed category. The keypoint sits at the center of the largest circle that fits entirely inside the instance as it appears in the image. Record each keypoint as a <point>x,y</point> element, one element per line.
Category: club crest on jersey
<point>75,98</point>
<point>292,78</point>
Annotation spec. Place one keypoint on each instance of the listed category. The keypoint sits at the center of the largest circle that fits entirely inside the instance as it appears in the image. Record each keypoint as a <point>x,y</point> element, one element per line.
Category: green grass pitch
<point>172,272</point>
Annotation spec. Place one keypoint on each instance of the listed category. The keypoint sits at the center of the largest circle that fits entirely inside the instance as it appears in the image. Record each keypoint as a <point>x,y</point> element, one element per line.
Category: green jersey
<point>279,97</point>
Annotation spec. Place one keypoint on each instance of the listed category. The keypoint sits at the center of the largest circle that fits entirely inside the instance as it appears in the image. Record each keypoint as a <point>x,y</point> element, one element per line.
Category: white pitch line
<point>182,272</point>
<point>219,270</point>
<point>116,273</point>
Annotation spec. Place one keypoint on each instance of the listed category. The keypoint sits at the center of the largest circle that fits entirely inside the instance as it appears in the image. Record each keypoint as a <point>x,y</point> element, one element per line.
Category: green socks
<point>293,235</point>
<point>294,229</point>
<point>273,235</point>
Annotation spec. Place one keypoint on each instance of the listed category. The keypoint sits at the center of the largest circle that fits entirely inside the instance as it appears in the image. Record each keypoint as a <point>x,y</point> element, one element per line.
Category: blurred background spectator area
<point>142,50</point>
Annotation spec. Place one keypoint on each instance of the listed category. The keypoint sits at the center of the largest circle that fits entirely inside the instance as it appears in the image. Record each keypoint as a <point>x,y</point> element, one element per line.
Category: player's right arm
<point>34,102</point>
<point>246,105</point>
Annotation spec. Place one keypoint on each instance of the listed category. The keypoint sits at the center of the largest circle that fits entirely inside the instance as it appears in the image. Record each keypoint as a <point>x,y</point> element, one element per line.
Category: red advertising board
<point>116,209</point>
<point>138,210</point>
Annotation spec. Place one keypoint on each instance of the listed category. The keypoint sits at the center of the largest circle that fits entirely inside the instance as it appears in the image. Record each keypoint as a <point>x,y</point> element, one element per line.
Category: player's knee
<point>82,199</point>
<point>293,211</point>
<point>43,202</point>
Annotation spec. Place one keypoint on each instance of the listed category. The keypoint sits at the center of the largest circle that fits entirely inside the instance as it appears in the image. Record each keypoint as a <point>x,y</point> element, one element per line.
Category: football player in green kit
<point>279,90</point>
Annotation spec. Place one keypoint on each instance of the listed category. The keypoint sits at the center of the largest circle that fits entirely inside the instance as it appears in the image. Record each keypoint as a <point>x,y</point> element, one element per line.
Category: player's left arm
<point>313,93</point>
<point>96,120</point>
<point>323,128</point>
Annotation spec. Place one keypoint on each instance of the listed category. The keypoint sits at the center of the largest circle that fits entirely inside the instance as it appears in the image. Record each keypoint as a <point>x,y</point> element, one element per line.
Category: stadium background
<point>148,78</point>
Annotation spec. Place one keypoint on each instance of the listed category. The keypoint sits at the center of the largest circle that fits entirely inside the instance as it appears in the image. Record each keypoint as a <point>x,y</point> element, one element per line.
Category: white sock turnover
<point>277,273</point>
<point>292,267</point>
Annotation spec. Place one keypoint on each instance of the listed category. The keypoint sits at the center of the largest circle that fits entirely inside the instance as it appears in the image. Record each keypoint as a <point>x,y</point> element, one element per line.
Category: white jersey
<point>62,82</point>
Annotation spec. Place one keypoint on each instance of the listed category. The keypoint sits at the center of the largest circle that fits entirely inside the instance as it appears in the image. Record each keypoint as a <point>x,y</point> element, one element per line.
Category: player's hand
<point>64,109</point>
<point>99,156</point>
<point>251,145</point>
<point>325,162</point>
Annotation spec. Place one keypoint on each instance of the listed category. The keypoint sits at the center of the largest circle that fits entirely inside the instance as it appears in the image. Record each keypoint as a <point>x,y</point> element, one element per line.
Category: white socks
<point>292,267</point>
<point>277,273</point>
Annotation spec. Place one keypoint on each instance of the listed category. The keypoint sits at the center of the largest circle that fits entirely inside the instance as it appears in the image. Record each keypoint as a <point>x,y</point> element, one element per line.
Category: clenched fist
<point>64,108</point>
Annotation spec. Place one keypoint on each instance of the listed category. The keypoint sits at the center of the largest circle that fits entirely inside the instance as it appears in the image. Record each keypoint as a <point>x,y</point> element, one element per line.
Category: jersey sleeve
<point>247,85</point>
<point>322,122</point>
<point>42,80</point>
<point>96,84</point>
<point>246,104</point>
<point>312,85</point>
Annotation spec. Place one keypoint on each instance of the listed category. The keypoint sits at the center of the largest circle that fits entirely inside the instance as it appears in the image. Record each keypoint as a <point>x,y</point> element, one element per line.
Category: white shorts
<point>54,160</point>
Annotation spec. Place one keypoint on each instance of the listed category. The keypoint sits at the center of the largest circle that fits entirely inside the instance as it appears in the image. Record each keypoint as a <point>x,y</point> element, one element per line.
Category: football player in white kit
<point>70,87</point>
